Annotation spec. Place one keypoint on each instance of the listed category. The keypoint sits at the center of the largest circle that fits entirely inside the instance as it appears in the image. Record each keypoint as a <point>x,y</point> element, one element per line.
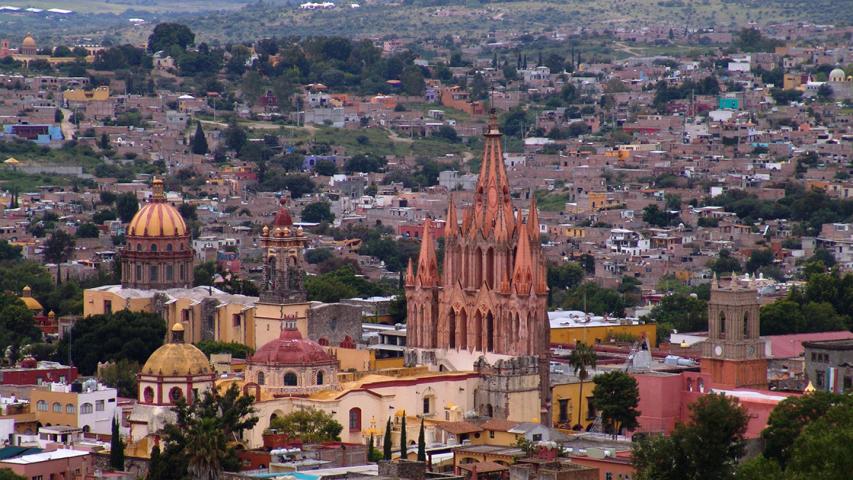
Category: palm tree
<point>205,449</point>
<point>58,249</point>
<point>582,358</point>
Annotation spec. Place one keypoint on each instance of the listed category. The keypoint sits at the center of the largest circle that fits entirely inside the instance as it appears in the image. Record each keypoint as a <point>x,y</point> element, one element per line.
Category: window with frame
<point>153,273</point>
<point>41,406</point>
<point>69,408</point>
<point>564,410</point>
<point>355,419</point>
<point>175,394</point>
<point>99,405</point>
<point>86,408</point>
<point>537,437</point>
<point>57,407</point>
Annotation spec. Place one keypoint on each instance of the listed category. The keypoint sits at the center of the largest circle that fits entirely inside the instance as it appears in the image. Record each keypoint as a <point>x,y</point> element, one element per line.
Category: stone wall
<point>333,322</point>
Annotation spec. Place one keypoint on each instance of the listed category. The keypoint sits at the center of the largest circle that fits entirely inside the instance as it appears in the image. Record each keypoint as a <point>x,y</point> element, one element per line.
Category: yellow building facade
<point>566,401</point>
<point>593,334</point>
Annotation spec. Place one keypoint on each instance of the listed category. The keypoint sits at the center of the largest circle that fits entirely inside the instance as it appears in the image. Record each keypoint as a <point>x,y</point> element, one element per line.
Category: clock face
<point>718,350</point>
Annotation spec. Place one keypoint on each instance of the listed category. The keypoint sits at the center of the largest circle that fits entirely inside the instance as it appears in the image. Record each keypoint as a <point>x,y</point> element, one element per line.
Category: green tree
<point>403,447</point>
<point>87,230</point>
<point>199,145</point>
<point>121,375</point>
<point>412,80</point>
<point>237,350</point>
<point>822,450</point>
<point>16,325</point>
<point>168,35</point>
<point>759,468</point>
<point>309,425</point>
<point>582,358</point>
<point>725,263</point>
<point>58,249</point>
<point>155,466</point>
<point>781,317</point>
<point>205,434</point>
<point>790,417</point>
<point>679,311</point>
<point>758,259</point>
<point>386,441</point>
<point>364,163</point>
<point>318,212</point>
<point>421,443</point>
<point>372,454</point>
<point>616,396</point>
<point>707,447</point>
<point>126,205</point>
<point>116,448</point>
<point>6,474</point>
<point>9,251</point>
<point>122,335</point>
<point>325,167</point>
<point>235,136</point>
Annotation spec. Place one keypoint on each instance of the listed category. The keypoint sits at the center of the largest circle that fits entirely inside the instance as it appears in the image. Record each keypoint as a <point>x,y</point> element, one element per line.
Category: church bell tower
<point>734,354</point>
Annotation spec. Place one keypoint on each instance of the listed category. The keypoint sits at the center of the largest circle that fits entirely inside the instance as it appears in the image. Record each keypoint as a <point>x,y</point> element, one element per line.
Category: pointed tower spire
<point>427,262</point>
<point>410,274</point>
<point>452,225</point>
<point>533,221</point>
<point>522,273</point>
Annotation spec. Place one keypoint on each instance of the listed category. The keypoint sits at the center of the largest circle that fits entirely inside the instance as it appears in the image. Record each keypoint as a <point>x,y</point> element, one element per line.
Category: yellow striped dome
<point>158,218</point>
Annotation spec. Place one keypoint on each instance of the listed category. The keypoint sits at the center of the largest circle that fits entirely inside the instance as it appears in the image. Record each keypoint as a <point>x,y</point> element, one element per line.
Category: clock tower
<point>733,355</point>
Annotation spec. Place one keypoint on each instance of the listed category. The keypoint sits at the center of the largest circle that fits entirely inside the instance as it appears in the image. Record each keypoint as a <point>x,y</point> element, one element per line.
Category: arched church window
<point>148,395</point>
<point>260,378</point>
<point>175,394</point>
<point>290,379</point>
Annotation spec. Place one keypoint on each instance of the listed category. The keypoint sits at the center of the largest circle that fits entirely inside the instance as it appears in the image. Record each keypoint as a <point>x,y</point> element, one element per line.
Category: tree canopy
<point>132,336</point>
<point>309,425</point>
<point>707,447</point>
<point>616,396</point>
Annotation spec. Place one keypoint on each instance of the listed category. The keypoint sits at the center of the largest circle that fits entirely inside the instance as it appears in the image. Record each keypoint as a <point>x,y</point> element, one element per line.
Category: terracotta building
<point>492,294</point>
<point>157,254</point>
<point>733,355</point>
<point>490,298</point>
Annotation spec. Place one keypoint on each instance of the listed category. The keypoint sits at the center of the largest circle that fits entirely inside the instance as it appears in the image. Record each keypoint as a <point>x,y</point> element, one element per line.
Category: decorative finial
<point>493,122</point>
<point>158,194</point>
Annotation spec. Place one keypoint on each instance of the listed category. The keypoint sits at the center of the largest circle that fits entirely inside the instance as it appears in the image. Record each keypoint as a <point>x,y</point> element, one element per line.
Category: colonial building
<point>733,355</point>
<point>157,277</point>
<point>157,254</point>
<point>490,298</point>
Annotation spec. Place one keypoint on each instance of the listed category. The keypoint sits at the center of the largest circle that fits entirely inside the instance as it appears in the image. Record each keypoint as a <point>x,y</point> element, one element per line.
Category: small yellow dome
<point>31,303</point>
<point>177,360</point>
<point>29,41</point>
<point>178,327</point>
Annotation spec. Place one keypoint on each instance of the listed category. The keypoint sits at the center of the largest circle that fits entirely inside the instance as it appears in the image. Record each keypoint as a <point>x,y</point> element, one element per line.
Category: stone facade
<point>509,389</point>
<point>734,354</point>
<point>283,267</point>
<point>334,323</point>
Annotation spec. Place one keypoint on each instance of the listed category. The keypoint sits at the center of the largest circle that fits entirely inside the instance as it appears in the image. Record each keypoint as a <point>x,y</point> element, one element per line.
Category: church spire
<point>427,261</point>
<point>533,220</point>
<point>522,274</point>
<point>452,225</point>
<point>410,274</point>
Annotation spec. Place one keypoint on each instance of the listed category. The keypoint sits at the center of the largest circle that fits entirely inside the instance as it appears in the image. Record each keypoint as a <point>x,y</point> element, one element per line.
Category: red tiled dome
<point>291,349</point>
<point>282,218</point>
